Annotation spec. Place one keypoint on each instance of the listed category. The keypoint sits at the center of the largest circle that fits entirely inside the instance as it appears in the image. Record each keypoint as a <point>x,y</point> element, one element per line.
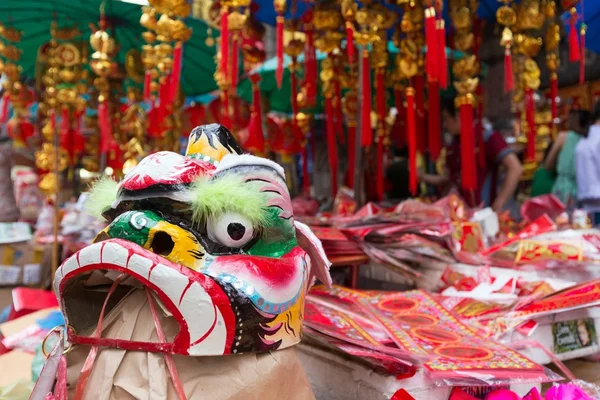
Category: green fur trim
<point>229,193</point>
<point>101,195</point>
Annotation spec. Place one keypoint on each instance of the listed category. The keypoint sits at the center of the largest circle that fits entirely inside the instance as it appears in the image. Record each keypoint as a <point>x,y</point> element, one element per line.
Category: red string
<point>420,107</point>
<point>147,85</point>
<point>331,145</point>
<point>442,60</point>
<point>467,148</point>
<point>311,68</point>
<point>434,127</point>
<point>574,54</point>
<point>366,131</point>
<point>350,42</point>
<point>412,140</point>
<point>279,51</point>
<point>431,39</point>
<point>105,127</point>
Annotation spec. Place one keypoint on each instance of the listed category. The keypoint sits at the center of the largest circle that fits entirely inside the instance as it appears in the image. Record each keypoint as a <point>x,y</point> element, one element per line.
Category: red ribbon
<point>350,42</point>
<point>412,140</point>
<point>434,126</point>
<point>279,51</point>
<point>224,42</point>
<point>147,85</point>
<point>256,139</point>
<point>442,60</point>
<point>351,155</point>
<point>331,145</point>
<point>235,63</point>
<point>574,49</point>
<point>554,96</point>
<point>431,40</point>
<point>509,79</point>
<point>467,148</point>
<point>366,131</point>
<point>530,110</point>
<point>176,72</point>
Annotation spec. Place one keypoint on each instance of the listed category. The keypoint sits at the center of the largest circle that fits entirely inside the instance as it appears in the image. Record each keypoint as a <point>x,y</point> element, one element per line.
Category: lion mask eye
<point>230,229</point>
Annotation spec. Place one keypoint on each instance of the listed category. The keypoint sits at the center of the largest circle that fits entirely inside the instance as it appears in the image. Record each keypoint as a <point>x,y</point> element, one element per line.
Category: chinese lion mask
<point>212,236</point>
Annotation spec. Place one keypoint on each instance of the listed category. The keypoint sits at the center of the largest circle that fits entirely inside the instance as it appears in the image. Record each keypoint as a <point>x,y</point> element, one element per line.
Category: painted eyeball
<point>230,229</point>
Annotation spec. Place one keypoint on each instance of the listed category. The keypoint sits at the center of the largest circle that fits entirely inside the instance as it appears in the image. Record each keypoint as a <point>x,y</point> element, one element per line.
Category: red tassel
<point>467,148</point>
<point>379,181</point>
<point>574,54</point>
<point>310,60</point>
<point>434,127</point>
<point>509,79</point>
<point>5,103</point>
<point>224,42</point>
<point>279,51</point>
<point>411,134</point>
<point>351,154</point>
<point>420,105</point>
<point>380,96</point>
<point>431,40</point>
<point>554,97</point>
<point>442,60</point>
<point>582,62</point>
<point>105,127</point>
<point>256,138</point>
<point>64,121</point>
<point>399,124</point>
<point>350,42</point>
<point>339,115</point>
<point>331,145</point>
<point>235,63</point>
<point>294,87</point>
<point>147,85</point>
<point>176,72</point>
<point>366,131</point>
<point>305,174</point>
<point>531,131</point>
<point>479,129</point>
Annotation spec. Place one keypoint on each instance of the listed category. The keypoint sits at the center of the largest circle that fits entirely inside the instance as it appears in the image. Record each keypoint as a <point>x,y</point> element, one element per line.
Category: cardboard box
<point>20,264</point>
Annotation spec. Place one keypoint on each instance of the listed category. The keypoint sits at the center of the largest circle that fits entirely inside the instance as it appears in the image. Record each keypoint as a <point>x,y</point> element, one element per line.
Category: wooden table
<point>352,262</point>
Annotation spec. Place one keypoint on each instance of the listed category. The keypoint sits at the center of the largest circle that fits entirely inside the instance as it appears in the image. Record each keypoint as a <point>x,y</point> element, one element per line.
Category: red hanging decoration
<point>256,138</point>
<point>65,122</point>
<point>105,127</point>
<point>5,104</point>
<point>381,114</point>
<point>176,72</point>
<point>147,85</point>
<point>554,96</point>
<point>366,131</point>
<point>509,78</point>
<point>582,62</point>
<point>442,60</point>
<point>574,53</point>
<point>435,125</point>
<point>279,51</point>
<point>351,154</point>
<point>331,145</point>
<point>380,96</point>
<point>467,147</point>
<point>420,106</point>
<point>431,40</point>
<point>310,61</point>
<point>411,134</point>
<point>399,130</point>
<point>350,42</point>
<point>531,131</point>
<point>224,42</point>
<point>479,129</point>
<point>235,63</point>
<point>337,109</point>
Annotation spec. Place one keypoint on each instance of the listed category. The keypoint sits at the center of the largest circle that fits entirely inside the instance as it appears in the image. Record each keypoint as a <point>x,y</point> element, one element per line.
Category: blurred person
<point>497,154</point>
<point>561,157</point>
<point>397,175</point>
<point>8,204</point>
<point>587,168</point>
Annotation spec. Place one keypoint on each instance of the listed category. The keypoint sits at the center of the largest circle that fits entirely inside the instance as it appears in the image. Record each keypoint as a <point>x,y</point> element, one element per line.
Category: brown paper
<point>120,374</point>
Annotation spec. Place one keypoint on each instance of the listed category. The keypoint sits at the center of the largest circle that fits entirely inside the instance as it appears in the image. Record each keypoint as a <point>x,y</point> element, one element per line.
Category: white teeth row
<point>193,302</point>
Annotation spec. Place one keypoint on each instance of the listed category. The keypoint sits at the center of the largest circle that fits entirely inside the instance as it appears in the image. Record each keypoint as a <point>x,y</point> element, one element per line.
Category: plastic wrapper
<point>536,207</point>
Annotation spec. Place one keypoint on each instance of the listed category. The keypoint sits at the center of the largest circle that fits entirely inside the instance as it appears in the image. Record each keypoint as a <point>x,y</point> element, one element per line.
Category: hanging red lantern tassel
<point>339,115</point>
<point>256,138</point>
<point>105,127</point>
<point>431,40</point>
<point>5,104</point>
<point>420,106</point>
<point>64,121</point>
<point>147,85</point>
<point>554,96</point>
<point>310,61</point>
<point>479,129</point>
<point>235,63</point>
<point>574,54</point>
<point>435,126</point>
<point>531,131</point>
<point>399,124</point>
<point>509,78</point>
<point>176,72</point>
<point>411,134</point>
<point>331,145</point>
<point>350,42</point>
<point>442,60</point>
<point>381,114</point>
<point>351,153</point>
<point>467,146</point>
<point>582,62</point>
<point>380,96</point>
<point>366,131</point>
<point>279,51</point>
<point>224,42</point>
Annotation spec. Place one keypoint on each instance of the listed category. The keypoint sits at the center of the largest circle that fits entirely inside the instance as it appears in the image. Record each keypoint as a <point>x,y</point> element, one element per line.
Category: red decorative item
<point>399,129</point>
<point>531,131</point>
<point>442,60</point>
<point>434,127</point>
<point>279,51</point>
<point>105,127</point>
<point>350,42</point>
<point>224,42</point>
<point>379,178</point>
<point>176,71</point>
<point>411,133</point>
<point>582,62</point>
<point>331,145</point>
<point>431,40</point>
<point>164,96</point>
<point>351,155</point>
<point>256,138</point>
<point>479,129</point>
<point>5,103</point>
<point>365,122</point>
<point>554,96</point>
<point>509,78</point>
<point>467,148</point>
<point>235,63</point>
<point>574,49</point>
<point>339,115</point>
<point>147,85</point>
<point>310,60</point>
<point>420,107</point>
